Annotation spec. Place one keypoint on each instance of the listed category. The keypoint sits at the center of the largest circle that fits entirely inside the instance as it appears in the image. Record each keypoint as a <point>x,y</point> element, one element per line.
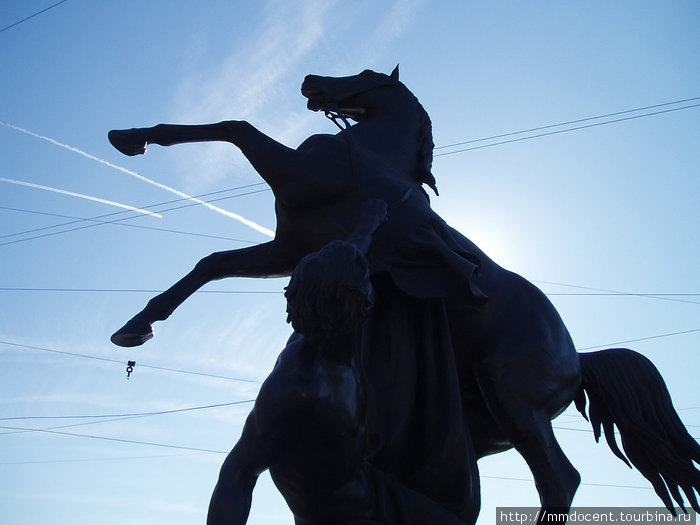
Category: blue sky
<point>609,208</point>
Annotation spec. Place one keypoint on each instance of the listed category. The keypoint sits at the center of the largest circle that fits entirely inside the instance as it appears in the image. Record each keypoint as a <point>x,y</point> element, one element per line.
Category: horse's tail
<point>625,389</point>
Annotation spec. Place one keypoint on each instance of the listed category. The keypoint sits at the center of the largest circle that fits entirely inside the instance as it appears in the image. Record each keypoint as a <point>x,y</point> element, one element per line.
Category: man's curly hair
<point>329,294</point>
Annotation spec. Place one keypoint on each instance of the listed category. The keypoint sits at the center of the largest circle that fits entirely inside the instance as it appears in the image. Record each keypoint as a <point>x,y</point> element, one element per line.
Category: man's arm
<point>231,500</point>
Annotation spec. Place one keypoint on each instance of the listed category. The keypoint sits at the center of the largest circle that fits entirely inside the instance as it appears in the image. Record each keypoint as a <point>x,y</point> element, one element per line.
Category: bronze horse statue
<point>460,357</point>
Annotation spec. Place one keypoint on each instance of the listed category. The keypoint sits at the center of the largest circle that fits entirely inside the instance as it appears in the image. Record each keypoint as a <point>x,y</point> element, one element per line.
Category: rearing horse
<point>511,365</point>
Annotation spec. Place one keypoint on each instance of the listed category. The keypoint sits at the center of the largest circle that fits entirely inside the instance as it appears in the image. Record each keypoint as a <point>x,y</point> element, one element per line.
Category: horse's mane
<point>424,163</point>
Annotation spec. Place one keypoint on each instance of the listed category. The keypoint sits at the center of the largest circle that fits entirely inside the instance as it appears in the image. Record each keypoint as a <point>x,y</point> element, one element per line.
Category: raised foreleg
<point>271,159</point>
<point>263,260</point>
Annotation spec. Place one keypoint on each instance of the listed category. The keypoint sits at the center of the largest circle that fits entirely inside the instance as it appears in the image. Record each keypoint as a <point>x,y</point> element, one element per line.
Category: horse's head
<point>346,95</point>
<point>362,96</point>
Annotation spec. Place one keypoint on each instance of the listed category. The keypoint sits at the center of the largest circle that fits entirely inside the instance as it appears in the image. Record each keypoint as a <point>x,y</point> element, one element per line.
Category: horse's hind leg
<point>555,477</point>
<point>527,427</point>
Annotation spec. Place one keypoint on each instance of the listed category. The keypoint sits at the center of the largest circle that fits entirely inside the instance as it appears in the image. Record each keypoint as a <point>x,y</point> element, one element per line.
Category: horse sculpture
<point>459,357</point>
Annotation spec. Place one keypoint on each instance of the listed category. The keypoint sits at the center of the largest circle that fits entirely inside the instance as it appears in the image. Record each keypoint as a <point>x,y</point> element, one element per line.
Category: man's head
<point>329,293</point>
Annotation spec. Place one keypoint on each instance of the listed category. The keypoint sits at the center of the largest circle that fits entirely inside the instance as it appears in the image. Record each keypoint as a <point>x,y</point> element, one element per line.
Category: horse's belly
<point>520,343</point>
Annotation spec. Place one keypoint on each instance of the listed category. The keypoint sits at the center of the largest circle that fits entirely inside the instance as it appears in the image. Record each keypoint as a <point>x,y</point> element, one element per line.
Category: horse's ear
<point>395,74</point>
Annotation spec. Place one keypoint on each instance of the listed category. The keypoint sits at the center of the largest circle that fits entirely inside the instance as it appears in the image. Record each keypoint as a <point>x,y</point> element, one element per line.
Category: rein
<point>334,115</point>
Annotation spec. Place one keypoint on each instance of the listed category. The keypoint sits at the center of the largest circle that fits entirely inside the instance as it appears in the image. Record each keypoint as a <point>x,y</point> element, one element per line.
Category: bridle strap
<point>334,115</point>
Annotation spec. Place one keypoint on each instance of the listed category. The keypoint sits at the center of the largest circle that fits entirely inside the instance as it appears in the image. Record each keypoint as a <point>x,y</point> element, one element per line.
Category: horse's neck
<point>391,137</point>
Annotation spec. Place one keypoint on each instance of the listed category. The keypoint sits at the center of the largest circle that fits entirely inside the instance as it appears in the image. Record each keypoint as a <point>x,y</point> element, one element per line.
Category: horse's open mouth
<point>315,103</point>
<point>318,102</point>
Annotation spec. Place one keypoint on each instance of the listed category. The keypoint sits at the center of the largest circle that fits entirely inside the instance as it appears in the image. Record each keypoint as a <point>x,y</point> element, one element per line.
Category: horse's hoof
<point>134,333</point>
<point>128,141</point>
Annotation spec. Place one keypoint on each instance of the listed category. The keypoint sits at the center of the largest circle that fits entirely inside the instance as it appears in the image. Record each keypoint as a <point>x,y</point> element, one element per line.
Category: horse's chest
<point>314,226</point>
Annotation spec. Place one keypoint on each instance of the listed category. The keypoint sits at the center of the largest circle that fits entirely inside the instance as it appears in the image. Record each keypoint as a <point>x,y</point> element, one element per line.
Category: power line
<point>663,297</point>
<point>197,449</point>
<point>140,226</point>
<point>117,458</point>
<point>128,218</point>
<point>121,362</point>
<point>105,438</point>
<point>32,16</point>
<point>530,480</point>
<point>86,356</point>
<point>560,131</point>
<point>530,130</point>
<point>590,431</point>
<point>203,450</point>
<point>624,294</point>
<point>134,290</point>
<point>639,339</point>
<point>131,414</point>
<point>153,291</point>
<point>112,418</point>
<point>112,214</point>
<point>72,425</point>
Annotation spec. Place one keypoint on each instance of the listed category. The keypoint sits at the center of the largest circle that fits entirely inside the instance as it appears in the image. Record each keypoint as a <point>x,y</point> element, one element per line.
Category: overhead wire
<point>603,291</point>
<point>204,450</point>
<point>576,128</point>
<point>119,440</point>
<point>508,478</point>
<point>577,121</point>
<point>150,207</point>
<point>134,290</point>
<point>668,296</point>
<point>112,458</point>
<point>130,217</point>
<point>648,338</point>
<point>216,376</point>
<point>72,425</point>
<point>131,414</point>
<point>214,451</point>
<point>32,16</point>
<point>112,214</point>
<point>198,452</point>
<point>139,226</point>
<point>121,362</point>
<point>98,420</point>
<point>198,449</point>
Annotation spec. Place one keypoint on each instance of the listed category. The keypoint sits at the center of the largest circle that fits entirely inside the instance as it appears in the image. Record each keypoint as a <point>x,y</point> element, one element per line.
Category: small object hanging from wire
<point>130,368</point>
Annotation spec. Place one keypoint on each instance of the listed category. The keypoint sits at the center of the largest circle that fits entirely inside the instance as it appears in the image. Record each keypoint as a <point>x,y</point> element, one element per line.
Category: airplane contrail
<point>179,193</point>
<point>81,196</point>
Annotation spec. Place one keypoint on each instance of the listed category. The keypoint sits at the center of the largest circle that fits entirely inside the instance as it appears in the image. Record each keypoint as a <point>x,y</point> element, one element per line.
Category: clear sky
<point>610,207</point>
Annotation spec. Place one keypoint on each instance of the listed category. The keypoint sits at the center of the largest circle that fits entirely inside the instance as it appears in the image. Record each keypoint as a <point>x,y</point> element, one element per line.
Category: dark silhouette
<point>459,357</point>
